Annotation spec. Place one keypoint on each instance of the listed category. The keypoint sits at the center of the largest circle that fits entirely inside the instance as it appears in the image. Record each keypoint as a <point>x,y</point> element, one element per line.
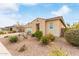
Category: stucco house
<point>51,25</point>
<point>8,28</point>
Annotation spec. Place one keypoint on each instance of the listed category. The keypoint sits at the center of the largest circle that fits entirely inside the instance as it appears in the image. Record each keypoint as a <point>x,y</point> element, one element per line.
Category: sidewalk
<point>4,51</point>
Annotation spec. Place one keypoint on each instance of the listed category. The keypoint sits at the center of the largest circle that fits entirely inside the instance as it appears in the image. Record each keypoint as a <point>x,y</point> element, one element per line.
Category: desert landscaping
<point>30,46</point>
<point>24,43</point>
<point>39,29</point>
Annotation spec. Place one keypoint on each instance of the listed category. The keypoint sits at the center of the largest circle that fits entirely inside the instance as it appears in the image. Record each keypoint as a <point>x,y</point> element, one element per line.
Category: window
<point>51,26</point>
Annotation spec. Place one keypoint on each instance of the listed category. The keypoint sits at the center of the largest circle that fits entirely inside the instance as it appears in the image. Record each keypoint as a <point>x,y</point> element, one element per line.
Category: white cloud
<point>8,7</point>
<point>62,11</point>
<point>30,4</point>
<point>8,13</point>
<point>6,21</point>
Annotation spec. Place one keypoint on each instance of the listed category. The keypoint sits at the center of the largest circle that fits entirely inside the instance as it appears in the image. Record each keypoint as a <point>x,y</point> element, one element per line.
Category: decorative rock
<point>25,35</point>
<point>5,36</point>
<point>23,48</point>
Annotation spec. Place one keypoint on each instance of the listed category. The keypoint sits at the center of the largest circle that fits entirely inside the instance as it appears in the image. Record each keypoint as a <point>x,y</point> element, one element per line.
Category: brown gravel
<point>34,48</point>
<point>70,49</point>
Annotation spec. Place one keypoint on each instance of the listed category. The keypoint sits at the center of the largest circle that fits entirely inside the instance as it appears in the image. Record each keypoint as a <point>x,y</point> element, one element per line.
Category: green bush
<point>33,35</point>
<point>13,31</point>
<point>50,37</point>
<point>38,34</point>
<point>44,40</point>
<point>13,39</point>
<point>57,52</point>
<point>1,32</point>
<point>72,36</point>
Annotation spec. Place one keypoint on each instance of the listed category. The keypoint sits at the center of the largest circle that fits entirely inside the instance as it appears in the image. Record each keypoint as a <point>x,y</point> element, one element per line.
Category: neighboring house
<point>0,29</point>
<point>20,28</point>
<point>52,25</point>
<point>8,28</point>
<point>15,28</point>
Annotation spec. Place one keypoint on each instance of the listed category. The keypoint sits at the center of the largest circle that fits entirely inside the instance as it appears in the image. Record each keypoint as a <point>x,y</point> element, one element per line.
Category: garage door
<point>28,30</point>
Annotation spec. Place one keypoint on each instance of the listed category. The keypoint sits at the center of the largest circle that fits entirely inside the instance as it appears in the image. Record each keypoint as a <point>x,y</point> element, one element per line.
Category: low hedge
<point>72,36</point>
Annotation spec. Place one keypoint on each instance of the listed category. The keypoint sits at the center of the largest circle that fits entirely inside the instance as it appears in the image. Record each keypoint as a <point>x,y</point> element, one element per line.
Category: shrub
<point>1,32</point>
<point>65,29</point>
<point>13,31</point>
<point>33,35</point>
<point>13,39</point>
<point>72,36</point>
<point>44,40</point>
<point>50,37</point>
<point>57,52</point>
<point>38,34</point>
<point>9,31</point>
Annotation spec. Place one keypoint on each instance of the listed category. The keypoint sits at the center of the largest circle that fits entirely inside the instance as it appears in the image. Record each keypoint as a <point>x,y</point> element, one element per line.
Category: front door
<point>38,26</point>
<point>10,29</point>
<point>62,32</point>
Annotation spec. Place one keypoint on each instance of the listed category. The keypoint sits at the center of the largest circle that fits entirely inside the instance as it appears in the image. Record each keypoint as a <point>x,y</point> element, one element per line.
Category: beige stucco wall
<point>27,26</point>
<point>56,31</point>
<point>44,26</point>
<point>32,25</point>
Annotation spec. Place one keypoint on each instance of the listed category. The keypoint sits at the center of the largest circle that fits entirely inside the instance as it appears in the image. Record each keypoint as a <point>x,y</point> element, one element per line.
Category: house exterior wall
<point>44,26</point>
<point>55,30</point>
<point>32,25</point>
<point>29,25</point>
<point>41,25</point>
<point>61,26</point>
<point>57,25</point>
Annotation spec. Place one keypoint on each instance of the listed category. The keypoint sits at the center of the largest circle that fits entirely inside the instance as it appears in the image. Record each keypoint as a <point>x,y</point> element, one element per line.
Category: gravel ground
<point>70,49</point>
<point>34,48</point>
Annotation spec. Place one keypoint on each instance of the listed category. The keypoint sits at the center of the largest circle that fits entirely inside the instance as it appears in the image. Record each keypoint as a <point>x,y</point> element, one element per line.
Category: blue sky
<point>24,13</point>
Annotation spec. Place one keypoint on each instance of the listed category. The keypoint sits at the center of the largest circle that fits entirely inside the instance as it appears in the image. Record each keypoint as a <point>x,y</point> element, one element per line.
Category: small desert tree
<point>75,25</point>
<point>19,27</point>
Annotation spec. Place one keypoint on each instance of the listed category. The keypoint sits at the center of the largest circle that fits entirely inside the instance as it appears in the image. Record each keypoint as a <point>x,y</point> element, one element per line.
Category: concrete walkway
<point>4,51</point>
